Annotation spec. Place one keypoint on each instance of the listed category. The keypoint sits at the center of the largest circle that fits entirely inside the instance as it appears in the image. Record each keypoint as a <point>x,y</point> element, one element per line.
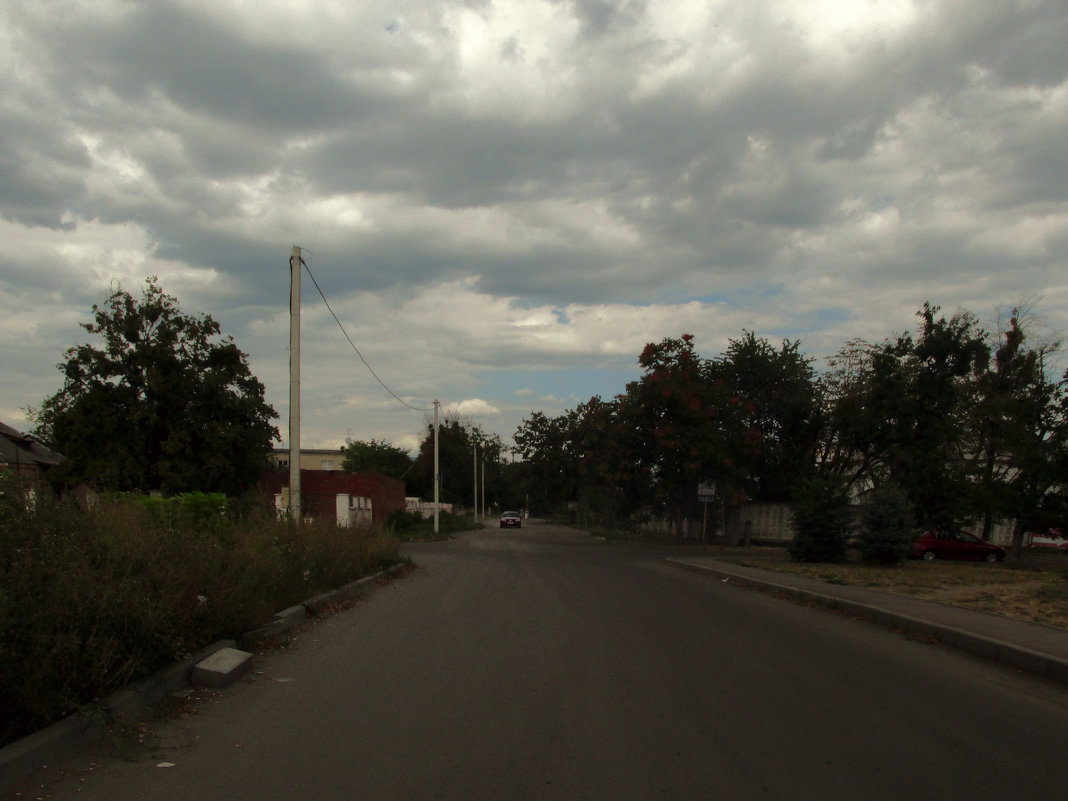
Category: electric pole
<point>294,384</point>
<point>437,474</point>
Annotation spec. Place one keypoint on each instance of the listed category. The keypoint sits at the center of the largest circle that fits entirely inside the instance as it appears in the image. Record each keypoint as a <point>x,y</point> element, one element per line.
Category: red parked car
<point>955,545</point>
<point>511,520</point>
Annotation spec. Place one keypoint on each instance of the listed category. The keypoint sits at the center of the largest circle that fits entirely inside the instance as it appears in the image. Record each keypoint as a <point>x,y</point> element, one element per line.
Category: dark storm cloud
<point>161,49</point>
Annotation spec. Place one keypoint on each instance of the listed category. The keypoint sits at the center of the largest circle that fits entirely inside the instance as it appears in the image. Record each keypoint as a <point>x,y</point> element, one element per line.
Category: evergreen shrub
<point>886,526</point>
<point>822,520</point>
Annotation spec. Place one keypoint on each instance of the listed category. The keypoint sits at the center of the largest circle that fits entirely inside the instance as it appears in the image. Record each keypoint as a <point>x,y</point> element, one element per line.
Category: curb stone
<point>20,759</point>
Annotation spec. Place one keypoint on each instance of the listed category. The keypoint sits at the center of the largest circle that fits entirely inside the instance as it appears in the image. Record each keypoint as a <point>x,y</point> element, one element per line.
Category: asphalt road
<point>541,664</point>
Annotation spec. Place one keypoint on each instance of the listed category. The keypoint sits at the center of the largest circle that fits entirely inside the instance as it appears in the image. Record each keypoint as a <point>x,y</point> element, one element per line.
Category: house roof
<point>17,448</point>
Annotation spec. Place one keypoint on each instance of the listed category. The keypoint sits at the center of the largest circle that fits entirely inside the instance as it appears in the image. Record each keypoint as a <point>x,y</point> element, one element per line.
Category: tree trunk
<point>1017,539</point>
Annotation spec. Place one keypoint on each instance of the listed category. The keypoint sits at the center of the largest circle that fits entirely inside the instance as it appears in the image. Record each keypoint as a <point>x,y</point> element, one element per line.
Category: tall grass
<point>93,598</point>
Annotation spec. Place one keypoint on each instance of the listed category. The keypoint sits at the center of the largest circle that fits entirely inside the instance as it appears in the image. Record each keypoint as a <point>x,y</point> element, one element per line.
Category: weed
<point>94,598</point>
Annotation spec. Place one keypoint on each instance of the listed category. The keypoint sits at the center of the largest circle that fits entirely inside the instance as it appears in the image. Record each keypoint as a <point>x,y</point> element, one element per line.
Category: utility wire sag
<point>357,350</point>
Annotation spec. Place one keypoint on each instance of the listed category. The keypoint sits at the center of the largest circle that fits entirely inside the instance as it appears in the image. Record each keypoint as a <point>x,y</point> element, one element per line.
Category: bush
<point>404,523</point>
<point>886,526</point>
<point>92,599</point>
<point>413,526</point>
<point>821,520</point>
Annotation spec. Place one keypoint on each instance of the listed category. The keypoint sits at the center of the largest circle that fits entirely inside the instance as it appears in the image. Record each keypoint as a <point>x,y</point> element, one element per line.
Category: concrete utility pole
<point>437,474</point>
<point>294,384</point>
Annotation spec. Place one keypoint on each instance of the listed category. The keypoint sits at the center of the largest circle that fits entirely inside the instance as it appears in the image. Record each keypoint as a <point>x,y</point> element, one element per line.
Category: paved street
<point>542,664</point>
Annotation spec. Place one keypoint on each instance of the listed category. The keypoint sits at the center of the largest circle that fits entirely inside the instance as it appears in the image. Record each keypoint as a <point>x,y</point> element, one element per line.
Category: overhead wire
<point>353,344</point>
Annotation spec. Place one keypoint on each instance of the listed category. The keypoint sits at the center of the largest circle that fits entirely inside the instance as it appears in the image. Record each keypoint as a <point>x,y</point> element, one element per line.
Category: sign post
<point>706,494</point>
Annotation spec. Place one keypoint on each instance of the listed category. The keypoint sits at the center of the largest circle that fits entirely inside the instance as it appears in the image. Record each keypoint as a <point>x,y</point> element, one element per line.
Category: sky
<point>505,200</point>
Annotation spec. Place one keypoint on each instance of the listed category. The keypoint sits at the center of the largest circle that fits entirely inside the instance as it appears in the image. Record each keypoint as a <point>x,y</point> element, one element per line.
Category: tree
<point>1018,431</point>
<point>457,441</point>
<point>166,403</point>
<point>778,410</point>
<point>846,437</point>
<point>381,457</point>
<point>676,427</point>
<point>900,412</point>
<point>886,526</point>
<point>549,458</point>
<point>822,519</point>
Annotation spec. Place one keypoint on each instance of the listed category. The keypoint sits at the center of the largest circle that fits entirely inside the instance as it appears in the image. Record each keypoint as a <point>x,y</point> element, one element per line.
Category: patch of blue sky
<point>815,320</point>
<point>564,388</point>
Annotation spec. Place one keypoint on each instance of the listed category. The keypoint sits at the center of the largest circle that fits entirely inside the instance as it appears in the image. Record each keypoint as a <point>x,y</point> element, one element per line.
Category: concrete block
<point>293,615</point>
<point>222,668</point>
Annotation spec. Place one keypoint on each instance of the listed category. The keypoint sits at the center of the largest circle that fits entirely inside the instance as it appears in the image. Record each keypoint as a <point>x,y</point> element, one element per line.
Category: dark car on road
<point>955,545</point>
<point>511,520</point>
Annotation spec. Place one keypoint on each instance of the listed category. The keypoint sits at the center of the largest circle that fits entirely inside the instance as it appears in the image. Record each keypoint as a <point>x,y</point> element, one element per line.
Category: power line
<point>353,344</point>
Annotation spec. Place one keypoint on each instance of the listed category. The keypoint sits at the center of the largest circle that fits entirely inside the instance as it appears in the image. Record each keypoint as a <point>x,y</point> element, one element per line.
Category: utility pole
<point>437,474</point>
<point>474,450</point>
<point>294,385</point>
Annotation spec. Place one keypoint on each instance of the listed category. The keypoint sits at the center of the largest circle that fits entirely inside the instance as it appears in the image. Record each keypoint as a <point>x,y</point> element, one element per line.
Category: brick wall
<point>319,490</point>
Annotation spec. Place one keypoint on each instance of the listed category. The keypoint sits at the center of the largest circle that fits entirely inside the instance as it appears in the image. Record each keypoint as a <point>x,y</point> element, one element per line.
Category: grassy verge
<point>1035,593</point>
<point>92,599</point>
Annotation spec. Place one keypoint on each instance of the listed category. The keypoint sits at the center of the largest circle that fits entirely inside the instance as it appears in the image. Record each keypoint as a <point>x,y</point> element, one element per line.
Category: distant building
<point>310,458</point>
<point>371,497</point>
<point>26,456</point>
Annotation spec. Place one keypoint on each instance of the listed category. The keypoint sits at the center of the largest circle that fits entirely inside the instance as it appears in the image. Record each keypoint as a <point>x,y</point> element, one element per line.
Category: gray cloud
<point>816,173</point>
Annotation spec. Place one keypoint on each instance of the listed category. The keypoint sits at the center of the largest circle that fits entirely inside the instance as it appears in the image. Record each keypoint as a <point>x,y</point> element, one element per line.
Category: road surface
<point>543,664</point>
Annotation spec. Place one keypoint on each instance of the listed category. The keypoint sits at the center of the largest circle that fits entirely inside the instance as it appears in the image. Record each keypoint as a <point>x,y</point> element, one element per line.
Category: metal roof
<point>17,448</point>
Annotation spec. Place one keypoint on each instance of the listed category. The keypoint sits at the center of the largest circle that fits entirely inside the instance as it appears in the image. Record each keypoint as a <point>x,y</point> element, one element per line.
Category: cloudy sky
<point>504,200</point>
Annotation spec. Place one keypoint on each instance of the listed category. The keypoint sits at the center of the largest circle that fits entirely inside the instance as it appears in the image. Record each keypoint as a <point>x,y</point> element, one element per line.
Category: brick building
<point>320,488</point>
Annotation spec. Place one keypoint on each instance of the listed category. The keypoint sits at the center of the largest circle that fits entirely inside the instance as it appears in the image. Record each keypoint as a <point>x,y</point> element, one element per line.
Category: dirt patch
<point>1035,593</point>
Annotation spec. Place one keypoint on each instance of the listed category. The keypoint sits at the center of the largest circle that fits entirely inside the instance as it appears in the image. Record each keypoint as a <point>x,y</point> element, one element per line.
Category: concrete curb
<point>1001,652</point>
<point>297,615</point>
<point>21,758</point>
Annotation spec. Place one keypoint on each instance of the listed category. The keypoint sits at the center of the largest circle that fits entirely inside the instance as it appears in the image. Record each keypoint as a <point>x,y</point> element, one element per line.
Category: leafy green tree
<point>457,441</point>
<point>846,435</point>
<point>545,445</point>
<point>611,486</point>
<point>778,410</point>
<point>899,414</point>
<point>381,457</point>
<point>928,441</point>
<point>1018,429</point>
<point>166,403</point>
<point>676,427</point>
